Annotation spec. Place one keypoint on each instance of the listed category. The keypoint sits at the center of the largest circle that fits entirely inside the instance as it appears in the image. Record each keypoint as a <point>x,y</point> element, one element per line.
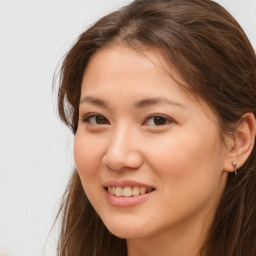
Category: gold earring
<point>234,166</point>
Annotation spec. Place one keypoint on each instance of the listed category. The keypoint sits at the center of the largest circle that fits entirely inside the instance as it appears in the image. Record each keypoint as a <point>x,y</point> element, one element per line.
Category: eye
<point>157,120</point>
<point>95,119</point>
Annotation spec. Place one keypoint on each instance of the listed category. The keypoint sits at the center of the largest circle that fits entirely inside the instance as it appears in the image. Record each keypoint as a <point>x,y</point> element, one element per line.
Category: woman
<point>161,98</point>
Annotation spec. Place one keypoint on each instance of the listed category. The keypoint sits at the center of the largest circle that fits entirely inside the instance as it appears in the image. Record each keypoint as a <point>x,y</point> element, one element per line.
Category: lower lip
<point>123,201</point>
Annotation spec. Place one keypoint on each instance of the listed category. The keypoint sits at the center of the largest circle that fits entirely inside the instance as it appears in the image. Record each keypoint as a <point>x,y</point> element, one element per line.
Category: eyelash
<point>87,118</point>
<point>167,120</point>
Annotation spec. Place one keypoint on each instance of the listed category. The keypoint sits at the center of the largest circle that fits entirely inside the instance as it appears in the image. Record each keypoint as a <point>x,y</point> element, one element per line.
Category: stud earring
<point>234,166</point>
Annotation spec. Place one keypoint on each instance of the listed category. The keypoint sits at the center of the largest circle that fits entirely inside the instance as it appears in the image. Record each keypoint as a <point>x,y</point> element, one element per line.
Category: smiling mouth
<point>128,191</point>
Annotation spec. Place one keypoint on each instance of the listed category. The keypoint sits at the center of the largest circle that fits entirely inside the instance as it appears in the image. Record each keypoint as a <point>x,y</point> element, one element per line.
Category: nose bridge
<point>123,148</point>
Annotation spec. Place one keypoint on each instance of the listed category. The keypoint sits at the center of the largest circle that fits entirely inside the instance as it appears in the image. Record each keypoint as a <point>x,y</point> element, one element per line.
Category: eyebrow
<point>94,101</point>
<point>138,104</point>
<point>153,101</point>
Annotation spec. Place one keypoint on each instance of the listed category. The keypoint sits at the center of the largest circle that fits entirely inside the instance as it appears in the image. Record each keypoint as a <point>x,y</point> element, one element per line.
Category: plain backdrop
<point>35,148</point>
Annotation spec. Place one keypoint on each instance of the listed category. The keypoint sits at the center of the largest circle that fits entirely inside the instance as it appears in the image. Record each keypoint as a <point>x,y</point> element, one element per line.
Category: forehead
<point>142,72</point>
<point>118,62</point>
<point>120,72</point>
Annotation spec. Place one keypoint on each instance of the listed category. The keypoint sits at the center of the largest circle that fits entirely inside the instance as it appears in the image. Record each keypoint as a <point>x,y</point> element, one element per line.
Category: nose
<point>123,151</point>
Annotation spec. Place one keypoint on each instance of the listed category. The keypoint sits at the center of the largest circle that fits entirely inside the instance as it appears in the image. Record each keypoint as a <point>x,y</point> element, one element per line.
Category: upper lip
<point>126,183</point>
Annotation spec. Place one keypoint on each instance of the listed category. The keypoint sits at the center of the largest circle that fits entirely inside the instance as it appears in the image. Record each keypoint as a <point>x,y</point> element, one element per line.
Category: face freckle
<point>137,128</point>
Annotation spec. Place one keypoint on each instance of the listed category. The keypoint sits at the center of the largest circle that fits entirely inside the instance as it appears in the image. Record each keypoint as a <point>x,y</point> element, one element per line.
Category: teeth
<point>129,191</point>
<point>118,191</point>
<point>143,191</point>
<point>111,190</point>
<point>135,191</point>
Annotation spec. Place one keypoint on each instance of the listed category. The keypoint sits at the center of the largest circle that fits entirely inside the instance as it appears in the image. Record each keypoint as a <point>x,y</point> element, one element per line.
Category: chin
<point>126,231</point>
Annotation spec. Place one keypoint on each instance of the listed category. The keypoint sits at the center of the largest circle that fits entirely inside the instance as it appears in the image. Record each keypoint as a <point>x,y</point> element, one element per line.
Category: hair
<point>217,63</point>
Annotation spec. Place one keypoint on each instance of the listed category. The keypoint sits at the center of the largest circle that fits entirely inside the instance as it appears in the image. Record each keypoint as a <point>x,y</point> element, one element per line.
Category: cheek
<point>187,158</point>
<point>171,156</point>
<point>87,156</point>
<point>189,174</point>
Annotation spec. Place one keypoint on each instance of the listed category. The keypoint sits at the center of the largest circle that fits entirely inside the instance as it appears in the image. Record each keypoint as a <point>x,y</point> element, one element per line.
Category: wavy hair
<point>217,63</point>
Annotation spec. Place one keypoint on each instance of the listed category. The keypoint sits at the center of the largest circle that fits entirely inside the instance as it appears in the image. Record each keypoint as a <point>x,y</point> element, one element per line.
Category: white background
<point>35,148</point>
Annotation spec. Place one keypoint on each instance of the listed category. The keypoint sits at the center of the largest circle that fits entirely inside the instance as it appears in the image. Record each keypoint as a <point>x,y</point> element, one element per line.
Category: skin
<point>180,153</point>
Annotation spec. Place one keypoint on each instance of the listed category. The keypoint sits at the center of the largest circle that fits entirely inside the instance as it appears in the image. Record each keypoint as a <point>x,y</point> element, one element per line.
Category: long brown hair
<point>217,63</point>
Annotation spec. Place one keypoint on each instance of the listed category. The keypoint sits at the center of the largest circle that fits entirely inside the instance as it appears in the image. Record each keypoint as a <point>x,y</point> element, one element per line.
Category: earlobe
<point>234,167</point>
<point>243,143</point>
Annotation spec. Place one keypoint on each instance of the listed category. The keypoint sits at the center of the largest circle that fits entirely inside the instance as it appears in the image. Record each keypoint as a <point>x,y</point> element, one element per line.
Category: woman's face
<point>149,157</point>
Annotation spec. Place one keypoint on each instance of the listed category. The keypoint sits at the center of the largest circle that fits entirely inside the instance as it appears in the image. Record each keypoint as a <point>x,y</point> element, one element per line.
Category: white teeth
<point>129,191</point>
<point>118,191</point>
<point>135,191</point>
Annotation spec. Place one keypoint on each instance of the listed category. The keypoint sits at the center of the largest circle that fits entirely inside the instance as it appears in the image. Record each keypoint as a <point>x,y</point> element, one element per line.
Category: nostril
<point>129,161</point>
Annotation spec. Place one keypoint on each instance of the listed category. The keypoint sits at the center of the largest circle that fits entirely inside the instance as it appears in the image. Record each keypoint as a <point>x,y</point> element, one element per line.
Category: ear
<point>240,146</point>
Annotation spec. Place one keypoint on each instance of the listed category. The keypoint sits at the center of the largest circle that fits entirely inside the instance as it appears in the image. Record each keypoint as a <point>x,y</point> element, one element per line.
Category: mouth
<point>128,191</point>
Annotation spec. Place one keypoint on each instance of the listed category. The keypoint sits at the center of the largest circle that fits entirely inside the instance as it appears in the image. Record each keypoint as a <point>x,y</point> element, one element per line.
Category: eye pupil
<point>100,120</point>
<point>159,120</point>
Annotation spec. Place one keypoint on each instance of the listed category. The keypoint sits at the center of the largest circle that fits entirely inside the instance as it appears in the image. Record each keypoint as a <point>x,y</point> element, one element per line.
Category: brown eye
<point>157,120</point>
<point>101,120</point>
<point>95,119</point>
